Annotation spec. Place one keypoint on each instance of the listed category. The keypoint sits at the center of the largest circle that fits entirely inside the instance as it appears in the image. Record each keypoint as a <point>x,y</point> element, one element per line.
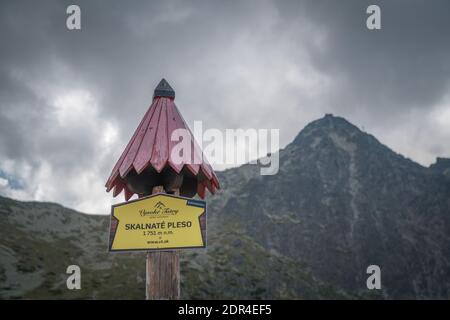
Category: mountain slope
<point>340,202</point>
<point>39,240</point>
<point>343,201</point>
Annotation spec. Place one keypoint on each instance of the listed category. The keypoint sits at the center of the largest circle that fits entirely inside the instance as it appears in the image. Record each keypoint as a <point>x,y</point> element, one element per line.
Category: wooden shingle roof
<point>149,152</point>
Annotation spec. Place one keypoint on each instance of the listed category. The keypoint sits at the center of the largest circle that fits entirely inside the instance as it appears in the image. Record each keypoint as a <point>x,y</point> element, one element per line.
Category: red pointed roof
<point>151,147</point>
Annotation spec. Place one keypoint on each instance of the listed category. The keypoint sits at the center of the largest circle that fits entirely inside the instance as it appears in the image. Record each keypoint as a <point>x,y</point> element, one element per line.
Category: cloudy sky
<point>70,100</point>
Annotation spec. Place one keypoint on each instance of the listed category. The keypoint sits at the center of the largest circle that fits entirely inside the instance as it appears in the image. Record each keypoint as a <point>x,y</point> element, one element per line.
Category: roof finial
<point>164,90</point>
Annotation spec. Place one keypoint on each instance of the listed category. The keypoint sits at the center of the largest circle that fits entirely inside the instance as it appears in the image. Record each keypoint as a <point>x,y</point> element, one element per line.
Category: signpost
<point>160,223</point>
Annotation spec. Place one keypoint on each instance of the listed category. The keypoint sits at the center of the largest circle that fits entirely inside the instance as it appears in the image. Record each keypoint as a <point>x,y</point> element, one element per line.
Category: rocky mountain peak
<point>334,140</point>
<point>342,198</point>
<point>341,132</point>
<point>329,123</point>
<point>442,165</point>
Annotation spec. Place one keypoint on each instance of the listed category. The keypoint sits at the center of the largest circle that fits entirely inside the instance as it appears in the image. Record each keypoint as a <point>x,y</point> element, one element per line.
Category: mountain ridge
<point>340,170</point>
<point>340,202</point>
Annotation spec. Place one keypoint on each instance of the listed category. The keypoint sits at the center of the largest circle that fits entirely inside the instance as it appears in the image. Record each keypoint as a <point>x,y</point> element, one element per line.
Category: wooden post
<point>146,161</point>
<point>163,271</point>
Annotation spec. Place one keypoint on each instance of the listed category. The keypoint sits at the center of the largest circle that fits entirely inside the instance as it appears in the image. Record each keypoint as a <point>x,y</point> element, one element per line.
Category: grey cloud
<point>402,66</point>
<point>268,64</point>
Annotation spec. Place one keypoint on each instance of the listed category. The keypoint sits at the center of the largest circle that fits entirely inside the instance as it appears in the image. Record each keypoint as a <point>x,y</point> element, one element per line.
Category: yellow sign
<point>158,222</point>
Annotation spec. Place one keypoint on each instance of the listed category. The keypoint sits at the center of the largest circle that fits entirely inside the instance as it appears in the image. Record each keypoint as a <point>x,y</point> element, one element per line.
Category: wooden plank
<point>160,152</point>
<point>201,189</point>
<point>128,194</point>
<point>118,188</point>
<point>145,151</point>
<point>163,271</point>
<point>173,123</point>
<point>182,124</point>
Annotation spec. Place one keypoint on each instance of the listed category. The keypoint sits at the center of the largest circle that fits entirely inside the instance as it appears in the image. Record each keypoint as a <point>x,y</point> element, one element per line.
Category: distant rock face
<point>341,201</point>
<point>442,165</point>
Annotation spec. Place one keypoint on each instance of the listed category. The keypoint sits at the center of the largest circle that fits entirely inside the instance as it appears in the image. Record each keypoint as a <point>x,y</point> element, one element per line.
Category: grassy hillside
<point>39,240</point>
